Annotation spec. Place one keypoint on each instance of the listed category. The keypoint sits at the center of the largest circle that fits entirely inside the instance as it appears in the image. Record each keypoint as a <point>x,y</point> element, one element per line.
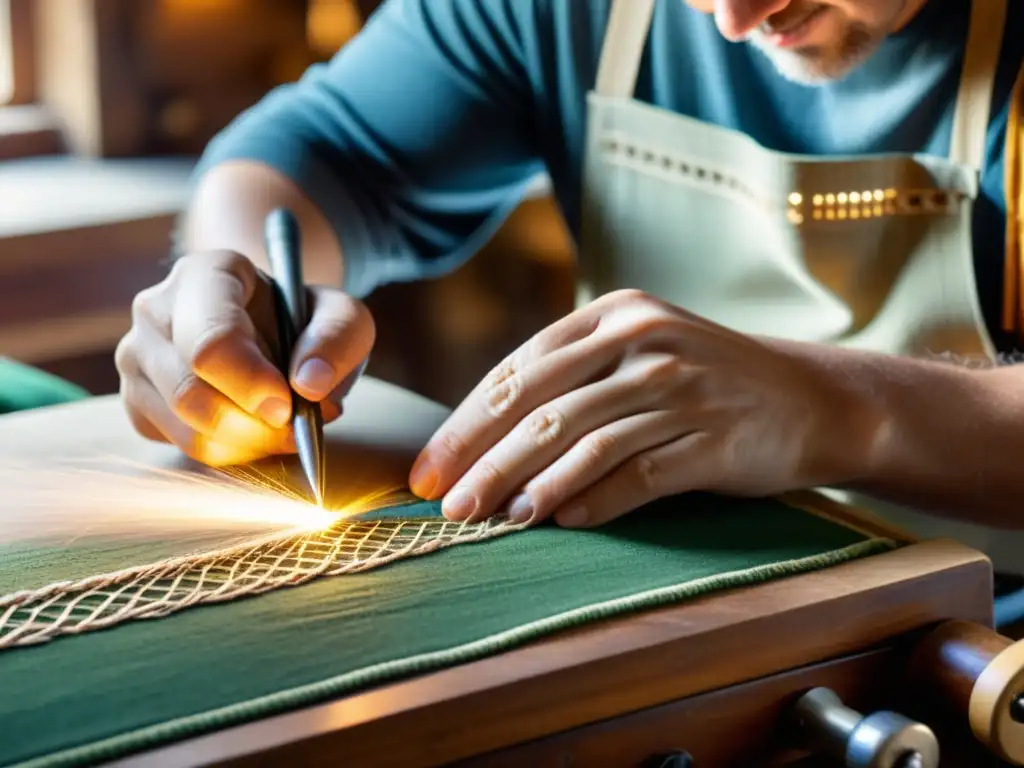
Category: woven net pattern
<point>163,588</point>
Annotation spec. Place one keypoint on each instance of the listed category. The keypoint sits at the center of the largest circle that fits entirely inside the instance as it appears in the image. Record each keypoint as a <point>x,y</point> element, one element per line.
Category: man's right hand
<point>197,368</point>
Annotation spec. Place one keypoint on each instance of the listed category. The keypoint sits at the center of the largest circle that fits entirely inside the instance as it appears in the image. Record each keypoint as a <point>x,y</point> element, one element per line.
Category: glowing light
<point>284,512</point>
<point>117,499</point>
<point>796,198</point>
<point>239,438</point>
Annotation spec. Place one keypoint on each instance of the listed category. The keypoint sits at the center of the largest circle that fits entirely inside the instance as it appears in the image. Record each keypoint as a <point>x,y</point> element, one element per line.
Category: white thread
<point>157,590</point>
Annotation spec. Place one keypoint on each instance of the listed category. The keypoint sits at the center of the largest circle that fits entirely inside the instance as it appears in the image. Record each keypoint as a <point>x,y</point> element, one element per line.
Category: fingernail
<point>315,377</point>
<point>458,505</point>
<point>572,517</point>
<point>274,411</point>
<point>422,479</point>
<point>521,509</point>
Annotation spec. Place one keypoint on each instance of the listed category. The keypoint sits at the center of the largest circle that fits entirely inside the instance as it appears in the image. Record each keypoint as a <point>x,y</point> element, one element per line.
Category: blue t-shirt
<point>421,135</point>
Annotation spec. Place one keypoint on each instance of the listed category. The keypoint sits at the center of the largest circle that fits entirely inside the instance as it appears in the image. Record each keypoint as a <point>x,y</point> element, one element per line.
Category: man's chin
<point>811,68</point>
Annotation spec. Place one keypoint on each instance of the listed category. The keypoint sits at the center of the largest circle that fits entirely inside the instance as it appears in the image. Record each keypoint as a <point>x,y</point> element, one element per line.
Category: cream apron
<point>872,252</point>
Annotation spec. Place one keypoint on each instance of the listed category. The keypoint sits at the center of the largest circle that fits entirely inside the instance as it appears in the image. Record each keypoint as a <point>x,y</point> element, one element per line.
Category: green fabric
<point>23,387</point>
<point>104,694</point>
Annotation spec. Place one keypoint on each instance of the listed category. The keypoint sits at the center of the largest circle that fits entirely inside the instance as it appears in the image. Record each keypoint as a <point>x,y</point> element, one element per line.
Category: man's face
<point>809,41</point>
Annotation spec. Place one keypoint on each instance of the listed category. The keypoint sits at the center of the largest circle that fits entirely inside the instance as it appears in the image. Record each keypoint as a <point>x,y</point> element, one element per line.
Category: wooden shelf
<point>78,239</point>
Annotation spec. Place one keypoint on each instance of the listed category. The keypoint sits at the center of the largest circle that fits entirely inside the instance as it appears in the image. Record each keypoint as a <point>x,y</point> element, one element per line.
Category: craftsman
<point>785,253</point>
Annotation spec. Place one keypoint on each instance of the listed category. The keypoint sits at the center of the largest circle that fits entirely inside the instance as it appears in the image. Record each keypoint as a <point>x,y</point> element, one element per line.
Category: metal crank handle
<point>879,740</point>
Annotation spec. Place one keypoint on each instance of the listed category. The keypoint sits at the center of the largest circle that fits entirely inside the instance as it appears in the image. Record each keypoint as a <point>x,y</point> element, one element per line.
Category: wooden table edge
<point>662,648</point>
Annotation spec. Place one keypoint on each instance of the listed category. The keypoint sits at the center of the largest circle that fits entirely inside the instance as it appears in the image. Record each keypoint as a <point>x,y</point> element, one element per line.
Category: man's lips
<point>791,34</point>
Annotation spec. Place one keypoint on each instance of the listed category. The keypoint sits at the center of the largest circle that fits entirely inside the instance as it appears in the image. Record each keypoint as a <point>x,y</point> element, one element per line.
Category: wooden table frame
<point>640,667</point>
<point>614,668</point>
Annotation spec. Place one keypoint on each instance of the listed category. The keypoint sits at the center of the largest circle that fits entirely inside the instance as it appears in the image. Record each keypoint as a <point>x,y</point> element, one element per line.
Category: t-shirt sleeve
<point>416,140</point>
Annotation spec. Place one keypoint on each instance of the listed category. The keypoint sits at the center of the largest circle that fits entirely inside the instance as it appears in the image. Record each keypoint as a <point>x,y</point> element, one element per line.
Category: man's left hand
<point>630,399</point>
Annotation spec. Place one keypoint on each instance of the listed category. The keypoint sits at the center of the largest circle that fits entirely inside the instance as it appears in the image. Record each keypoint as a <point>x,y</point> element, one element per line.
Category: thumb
<point>215,335</point>
<point>335,345</point>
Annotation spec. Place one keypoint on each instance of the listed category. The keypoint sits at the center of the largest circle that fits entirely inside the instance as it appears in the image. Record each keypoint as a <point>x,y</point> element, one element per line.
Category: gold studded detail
<point>870,204</point>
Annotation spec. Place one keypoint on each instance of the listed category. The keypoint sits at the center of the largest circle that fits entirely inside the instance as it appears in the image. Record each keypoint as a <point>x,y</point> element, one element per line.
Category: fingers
<point>686,464</point>
<point>196,371</point>
<point>160,389</point>
<point>154,419</point>
<point>590,460</point>
<point>333,351</point>
<point>533,444</point>
<point>215,337</point>
<point>506,396</point>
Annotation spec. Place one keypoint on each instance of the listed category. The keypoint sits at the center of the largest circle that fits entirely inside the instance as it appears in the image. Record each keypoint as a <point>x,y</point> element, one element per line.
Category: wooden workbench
<point>714,677</point>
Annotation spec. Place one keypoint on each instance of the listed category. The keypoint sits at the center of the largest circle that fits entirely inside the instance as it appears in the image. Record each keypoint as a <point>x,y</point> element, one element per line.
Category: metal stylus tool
<point>284,249</point>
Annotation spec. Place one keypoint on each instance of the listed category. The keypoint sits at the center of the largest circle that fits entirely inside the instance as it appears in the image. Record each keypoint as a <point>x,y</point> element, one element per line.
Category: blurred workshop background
<point>104,107</point>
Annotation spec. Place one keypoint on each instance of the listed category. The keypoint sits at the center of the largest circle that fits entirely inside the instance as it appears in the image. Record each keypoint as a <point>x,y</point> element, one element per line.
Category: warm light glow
<point>278,511</point>
<point>116,499</point>
<point>330,24</point>
<point>238,439</point>
<point>796,198</point>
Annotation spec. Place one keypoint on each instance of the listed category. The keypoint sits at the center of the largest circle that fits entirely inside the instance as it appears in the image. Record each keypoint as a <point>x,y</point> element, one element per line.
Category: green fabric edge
<point>24,387</point>
<point>282,701</point>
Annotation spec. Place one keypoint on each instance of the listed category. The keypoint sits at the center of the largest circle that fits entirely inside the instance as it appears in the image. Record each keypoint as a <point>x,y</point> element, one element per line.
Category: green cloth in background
<point>104,694</point>
<point>23,387</point>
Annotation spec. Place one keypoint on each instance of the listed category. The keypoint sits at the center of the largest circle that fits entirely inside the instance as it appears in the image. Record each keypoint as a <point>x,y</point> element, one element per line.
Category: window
<point>6,53</point>
<point>16,55</point>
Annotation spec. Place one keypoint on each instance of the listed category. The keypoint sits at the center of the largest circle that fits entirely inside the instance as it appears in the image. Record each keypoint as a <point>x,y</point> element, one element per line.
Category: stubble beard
<point>815,67</point>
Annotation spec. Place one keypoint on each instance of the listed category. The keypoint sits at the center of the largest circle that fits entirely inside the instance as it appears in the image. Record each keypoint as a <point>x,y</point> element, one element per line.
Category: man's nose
<point>738,18</point>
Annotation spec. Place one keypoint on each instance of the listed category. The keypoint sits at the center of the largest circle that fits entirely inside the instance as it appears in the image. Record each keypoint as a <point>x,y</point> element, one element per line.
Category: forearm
<point>227,210</point>
<point>949,439</point>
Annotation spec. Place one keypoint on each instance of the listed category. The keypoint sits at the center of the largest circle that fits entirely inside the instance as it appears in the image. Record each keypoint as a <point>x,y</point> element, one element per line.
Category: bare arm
<point>949,439</point>
<point>227,211</point>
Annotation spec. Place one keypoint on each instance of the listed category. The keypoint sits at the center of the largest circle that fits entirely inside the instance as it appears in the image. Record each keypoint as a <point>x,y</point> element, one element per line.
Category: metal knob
<point>879,740</point>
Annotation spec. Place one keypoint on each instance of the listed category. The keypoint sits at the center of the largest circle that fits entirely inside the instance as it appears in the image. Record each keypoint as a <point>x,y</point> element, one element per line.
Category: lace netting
<point>159,589</point>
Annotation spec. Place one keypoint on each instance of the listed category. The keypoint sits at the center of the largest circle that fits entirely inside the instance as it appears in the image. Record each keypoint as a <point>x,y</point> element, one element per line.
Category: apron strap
<point>623,47</point>
<point>977,80</point>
